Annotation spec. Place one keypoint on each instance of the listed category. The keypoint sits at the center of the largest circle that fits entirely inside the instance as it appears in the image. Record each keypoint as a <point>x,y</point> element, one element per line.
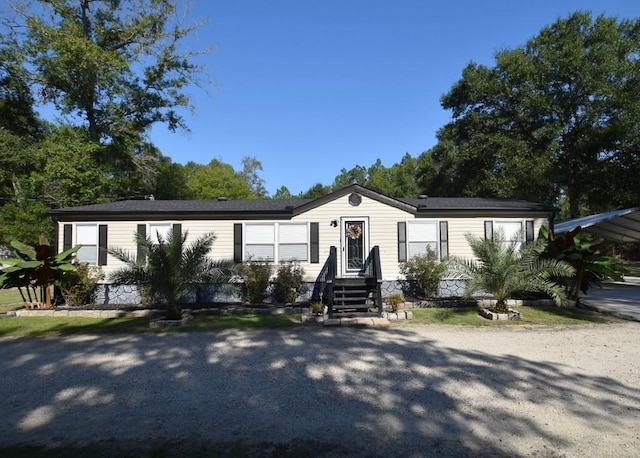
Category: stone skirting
<point>154,312</point>
<point>87,313</point>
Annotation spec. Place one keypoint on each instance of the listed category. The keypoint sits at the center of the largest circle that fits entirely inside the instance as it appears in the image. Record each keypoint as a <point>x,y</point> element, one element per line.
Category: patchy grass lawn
<point>35,326</point>
<point>10,299</point>
<point>549,316</point>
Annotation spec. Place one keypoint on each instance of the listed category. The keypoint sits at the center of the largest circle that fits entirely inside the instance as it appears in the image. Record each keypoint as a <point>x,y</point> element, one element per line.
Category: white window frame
<point>152,231</point>
<point>290,243</point>
<point>79,239</point>
<point>508,236</point>
<point>273,239</point>
<point>412,236</point>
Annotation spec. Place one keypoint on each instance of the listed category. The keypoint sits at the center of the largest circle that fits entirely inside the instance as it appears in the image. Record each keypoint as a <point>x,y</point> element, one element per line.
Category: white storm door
<point>354,245</point>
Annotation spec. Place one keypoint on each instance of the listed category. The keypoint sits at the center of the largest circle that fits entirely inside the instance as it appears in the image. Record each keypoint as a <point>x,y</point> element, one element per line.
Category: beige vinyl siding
<point>382,224</point>
<point>458,227</point>
<point>121,234</point>
<point>383,231</point>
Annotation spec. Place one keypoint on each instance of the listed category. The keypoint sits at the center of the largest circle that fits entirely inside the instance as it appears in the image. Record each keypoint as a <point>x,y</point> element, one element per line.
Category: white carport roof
<point>618,225</point>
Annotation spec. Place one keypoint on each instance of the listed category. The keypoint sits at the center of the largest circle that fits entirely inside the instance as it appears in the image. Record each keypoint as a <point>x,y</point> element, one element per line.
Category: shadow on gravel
<point>301,392</point>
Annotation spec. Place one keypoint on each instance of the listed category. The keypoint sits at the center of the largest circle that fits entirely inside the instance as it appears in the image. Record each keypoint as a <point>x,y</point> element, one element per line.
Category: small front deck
<point>352,297</point>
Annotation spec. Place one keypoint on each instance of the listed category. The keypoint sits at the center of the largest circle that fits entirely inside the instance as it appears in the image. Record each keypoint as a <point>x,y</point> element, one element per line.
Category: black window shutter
<point>67,236</point>
<point>56,236</point>
<point>444,239</point>
<point>102,245</point>
<point>315,243</point>
<point>140,257</point>
<point>177,230</point>
<point>402,241</point>
<point>237,242</point>
<point>488,230</point>
<point>529,231</point>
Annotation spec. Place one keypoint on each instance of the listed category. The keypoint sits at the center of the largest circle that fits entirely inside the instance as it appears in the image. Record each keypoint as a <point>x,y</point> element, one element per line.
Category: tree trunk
<point>174,311</point>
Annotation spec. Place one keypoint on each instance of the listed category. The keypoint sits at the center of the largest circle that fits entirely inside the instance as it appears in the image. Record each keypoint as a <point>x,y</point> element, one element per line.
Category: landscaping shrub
<point>255,281</point>
<point>78,286</point>
<point>425,271</point>
<point>288,281</point>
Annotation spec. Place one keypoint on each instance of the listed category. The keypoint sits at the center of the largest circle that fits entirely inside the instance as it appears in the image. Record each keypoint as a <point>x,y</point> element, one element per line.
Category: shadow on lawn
<point>300,392</point>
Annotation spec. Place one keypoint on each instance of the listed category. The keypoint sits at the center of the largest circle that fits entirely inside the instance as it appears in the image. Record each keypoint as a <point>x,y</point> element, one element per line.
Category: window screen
<point>420,235</point>
<point>159,229</point>
<point>259,242</point>
<point>87,236</point>
<point>510,230</point>
<point>293,242</point>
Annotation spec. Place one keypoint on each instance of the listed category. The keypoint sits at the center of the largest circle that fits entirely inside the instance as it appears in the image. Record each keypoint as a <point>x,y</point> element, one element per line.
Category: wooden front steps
<point>354,297</point>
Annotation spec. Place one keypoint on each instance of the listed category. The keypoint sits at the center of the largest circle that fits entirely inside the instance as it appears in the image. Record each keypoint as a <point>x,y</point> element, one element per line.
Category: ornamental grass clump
<point>502,267</point>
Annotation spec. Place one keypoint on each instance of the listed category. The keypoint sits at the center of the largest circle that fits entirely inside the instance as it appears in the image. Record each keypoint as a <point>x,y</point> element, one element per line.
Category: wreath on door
<point>354,231</point>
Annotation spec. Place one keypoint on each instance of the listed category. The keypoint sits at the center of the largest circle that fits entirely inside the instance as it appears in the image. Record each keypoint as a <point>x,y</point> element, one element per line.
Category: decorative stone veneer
<point>450,294</point>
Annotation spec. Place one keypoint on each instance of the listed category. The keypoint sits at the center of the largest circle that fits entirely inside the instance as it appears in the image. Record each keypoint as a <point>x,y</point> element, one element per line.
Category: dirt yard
<point>406,391</point>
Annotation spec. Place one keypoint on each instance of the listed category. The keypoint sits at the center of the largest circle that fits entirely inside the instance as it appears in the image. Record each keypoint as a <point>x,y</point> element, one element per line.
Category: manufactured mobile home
<point>351,235</point>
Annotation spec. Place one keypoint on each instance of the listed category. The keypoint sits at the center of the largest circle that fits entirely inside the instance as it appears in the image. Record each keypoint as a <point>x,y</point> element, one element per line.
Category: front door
<point>355,238</point>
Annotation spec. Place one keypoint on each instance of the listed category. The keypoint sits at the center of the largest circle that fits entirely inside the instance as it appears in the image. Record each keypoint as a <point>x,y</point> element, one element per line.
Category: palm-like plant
<point>171,266</point>
<point>502,268</point>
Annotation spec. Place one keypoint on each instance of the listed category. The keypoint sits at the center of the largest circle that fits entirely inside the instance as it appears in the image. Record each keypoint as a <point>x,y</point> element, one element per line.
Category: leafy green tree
<point>501,268</point>
<point>356,175</point>
<point>116,65</point>
<point>17,114</point>
<point>24,219</point>
<point>316,191</point>
<point>170,268</point>
<point>71,175</point>
<point>250,168</point>
<point>282,193</point>
<point>556,116</point>
<point>399,180</point>
<point>171,181</point>
<point>216,179</point>
<point>114,68</point>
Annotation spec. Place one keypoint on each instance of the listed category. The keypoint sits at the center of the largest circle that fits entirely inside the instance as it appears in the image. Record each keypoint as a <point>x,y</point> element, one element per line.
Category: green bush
<point>77,286</point>
<point>288,281</point>
<point>426,271</point>
<point>255,281</point>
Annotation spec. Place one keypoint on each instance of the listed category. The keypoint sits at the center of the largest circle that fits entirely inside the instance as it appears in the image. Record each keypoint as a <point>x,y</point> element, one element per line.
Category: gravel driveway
<point>405,391</point>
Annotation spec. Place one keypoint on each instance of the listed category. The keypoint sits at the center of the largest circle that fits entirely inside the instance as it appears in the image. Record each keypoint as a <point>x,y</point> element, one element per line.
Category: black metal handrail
<point>377,274</point>
<point>331,275</point>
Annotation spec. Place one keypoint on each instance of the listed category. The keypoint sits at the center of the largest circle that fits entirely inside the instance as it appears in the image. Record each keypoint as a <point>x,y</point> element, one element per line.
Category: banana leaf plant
<point>34,269</point>
<point>584,252</point>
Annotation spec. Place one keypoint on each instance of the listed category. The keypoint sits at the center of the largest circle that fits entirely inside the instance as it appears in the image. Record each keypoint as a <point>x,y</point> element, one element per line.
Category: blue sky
<point>309,87</point>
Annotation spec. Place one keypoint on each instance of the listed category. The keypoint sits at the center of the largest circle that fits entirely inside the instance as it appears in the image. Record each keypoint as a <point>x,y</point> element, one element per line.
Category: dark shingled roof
<point>187,206</point>
<point>284,207</point>
<point>471,203</point>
